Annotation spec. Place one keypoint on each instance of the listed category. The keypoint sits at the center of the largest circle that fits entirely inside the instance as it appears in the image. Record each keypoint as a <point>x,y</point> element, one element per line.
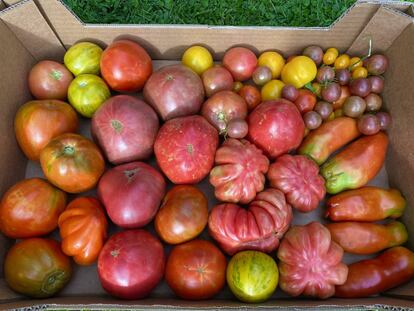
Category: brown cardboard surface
<point>33,31</point>
<point>382,34</point>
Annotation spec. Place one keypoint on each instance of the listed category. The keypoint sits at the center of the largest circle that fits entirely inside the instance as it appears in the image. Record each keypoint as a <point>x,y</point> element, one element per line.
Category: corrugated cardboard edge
<point>47,44</point>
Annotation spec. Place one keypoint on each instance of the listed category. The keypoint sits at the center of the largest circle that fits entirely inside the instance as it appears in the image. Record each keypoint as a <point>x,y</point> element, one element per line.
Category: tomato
<point>198,58</point>
<point>260,227</point>
<point>237,85</point>
<point>125,128</point>
<point>252,276</point>
<point>310,262</point>
<point>306,101</point>
<point>31,208</point>
<point>342,62</point>
<point>354,63</point>
<point>274,61</point>
<point>360,72</point>
<point>131,264</point>
<point>87,93</point>
<point>185,148</point>
<point>251,95</point>
<point>72,162</point>
<point>131,193</point>
<point>37,268</point>
<point>196,270</point>
<point>272,90</point>
<point>345,93</point>
<point>223,107</point>
<point>182,216</point>
<point>299,71</point>
<point>49,80</point>
<point>317,88</point>
<point>125,66</point>
<point>174,91</point>
<point>239,171</point>
<point>298,178</point>
<point>39,121</point>
<point>330,56</point>
<point>241,62</point>
<point>83,229</point>
<point>216,79</point>
<point>83,57</point>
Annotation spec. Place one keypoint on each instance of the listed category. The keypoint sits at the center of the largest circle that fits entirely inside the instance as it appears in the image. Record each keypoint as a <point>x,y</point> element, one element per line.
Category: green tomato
<point>83,57</point>
<point>252,276</point>
<point>87,93</point>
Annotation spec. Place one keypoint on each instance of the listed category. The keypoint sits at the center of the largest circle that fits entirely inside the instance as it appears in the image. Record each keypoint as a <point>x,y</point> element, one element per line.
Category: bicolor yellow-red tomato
<point>198,58</point>
<point>83,57</point>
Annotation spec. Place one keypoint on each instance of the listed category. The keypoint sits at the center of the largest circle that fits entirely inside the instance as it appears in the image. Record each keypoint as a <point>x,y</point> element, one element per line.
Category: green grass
<point>211,12</point>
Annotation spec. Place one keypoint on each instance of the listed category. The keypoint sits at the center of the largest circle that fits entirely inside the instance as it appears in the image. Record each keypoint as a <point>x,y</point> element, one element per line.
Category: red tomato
<point>241,62</point>
<point>125,66</point>
<point>49,80</point>
<point>31,208</point>
<point>125,128</point>
<point>251,95</point>
<point>216,79</point>
<point>72,162</point>
<point>131,264</point>
<point>38,121</point>
<point>305,101</point>
<point>182,215</point>
<point>174,91</point>
<point>131,193</point>
<point>196,270</point>
<point>185,149</point>
<point>223,107</point>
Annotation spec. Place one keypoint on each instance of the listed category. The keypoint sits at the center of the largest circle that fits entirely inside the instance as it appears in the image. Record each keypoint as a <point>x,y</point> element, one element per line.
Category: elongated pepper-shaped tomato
<point>367,238</point>
<point>356,165</point>
<point>328,138</point>
<point>368,277</point>
<point>366,204</point>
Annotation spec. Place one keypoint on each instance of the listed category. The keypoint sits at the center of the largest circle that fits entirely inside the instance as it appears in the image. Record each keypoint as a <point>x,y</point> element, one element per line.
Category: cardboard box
<point>34,30</point>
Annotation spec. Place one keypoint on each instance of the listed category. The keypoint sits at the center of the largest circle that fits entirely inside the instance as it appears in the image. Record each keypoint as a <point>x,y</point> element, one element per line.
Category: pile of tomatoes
<point>238,124</point>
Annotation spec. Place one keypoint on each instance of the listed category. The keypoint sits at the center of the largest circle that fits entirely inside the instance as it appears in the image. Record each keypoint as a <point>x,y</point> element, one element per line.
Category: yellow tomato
<point>198,58</point>
<point>274,61</point>
<point>342,62</point>
<point>299,71</point>
<point>330,56</point>
<point>272,90</point>
<point>360,72</point>
<point>354,63</point>
<point>83,57</point>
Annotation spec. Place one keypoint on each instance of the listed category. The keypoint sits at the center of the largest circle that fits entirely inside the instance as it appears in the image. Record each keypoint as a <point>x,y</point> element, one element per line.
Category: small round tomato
<point>49,80</point>
<point>125,66</point>
<point>241,62</point>
<point>305,101</point>
<point>274,61</point>
<point>237,85</point>
<point>198,58</point>
<point>182,216</point>
<point>342,62</point>
<point>31,208</point>
<point>87,93</point>
<point>196,270</point>
<point>354,63</point>
<point>330,56</point>
<point>251,95</point>
<point>272,90</point>
<point>360,72</point>
<point>83,57</point>
<point>37,268</point>
<point>72,162</point>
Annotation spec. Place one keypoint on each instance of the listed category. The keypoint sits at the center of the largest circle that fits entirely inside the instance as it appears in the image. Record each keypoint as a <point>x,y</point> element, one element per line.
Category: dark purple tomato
<point>289,92</point>
<point>377,84</point>
<point>343,76</point>
<point>331,92</point>
<point>261,75</point>
<point>360,87</point>
<point>384,120</point>
<point>237,128</point>
<point>354,106</point>
<point>377,64</point>
<point>374,102</point>
<point>324,74</point>
<point>324,109</point>
<point>369,124</point>
<point>312,120</point>
<point>315,53</point>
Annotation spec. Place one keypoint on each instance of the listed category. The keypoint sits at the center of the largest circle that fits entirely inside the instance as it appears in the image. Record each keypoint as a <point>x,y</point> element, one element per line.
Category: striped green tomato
<point>252,276</point>
<point>83,57</point>
<point>87,93</point>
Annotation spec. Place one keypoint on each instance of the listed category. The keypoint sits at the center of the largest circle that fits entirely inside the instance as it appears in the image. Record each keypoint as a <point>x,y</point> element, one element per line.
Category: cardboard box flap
<point>169,41</point>
<point>380,32</point>
<point>34,32</point>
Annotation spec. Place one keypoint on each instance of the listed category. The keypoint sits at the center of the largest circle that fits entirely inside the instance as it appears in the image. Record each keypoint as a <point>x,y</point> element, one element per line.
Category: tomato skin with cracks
<point>185,149</point>
<point>131,264</point>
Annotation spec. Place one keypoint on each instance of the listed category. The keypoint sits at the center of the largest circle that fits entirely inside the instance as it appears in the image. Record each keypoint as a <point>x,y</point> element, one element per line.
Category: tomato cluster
<point>264,130</point>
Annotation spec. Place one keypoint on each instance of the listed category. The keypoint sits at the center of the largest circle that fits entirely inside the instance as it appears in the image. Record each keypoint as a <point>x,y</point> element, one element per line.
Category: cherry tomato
<point>272,90</point>
<point>251,95</point>
<point>198,58</point>
<point>237,85</point>
<point>330,56</point>
<point>196,270</point>
<point>306,101</point>
<point>360,72</point>
<point>354,63</point>
<point>342,62</point>
<point>274,61</point>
